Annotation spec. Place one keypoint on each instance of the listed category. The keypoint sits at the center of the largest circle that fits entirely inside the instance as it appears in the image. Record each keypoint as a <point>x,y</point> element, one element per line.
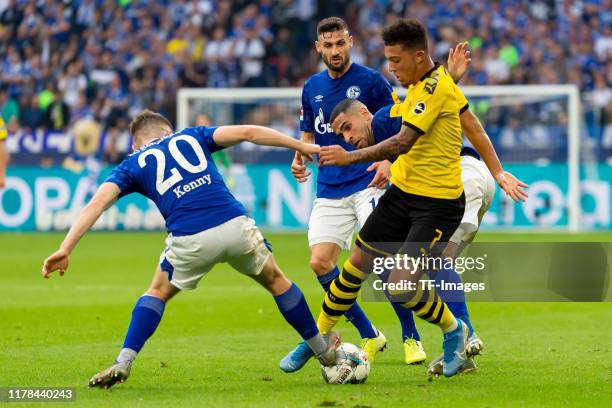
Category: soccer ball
<point>352,366</point>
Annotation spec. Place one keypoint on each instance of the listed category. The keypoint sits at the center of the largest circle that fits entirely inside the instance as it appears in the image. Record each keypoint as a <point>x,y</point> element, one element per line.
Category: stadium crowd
<point>108,59</point>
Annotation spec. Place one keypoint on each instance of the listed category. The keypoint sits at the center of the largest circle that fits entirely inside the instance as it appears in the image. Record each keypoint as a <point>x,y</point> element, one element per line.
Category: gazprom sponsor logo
<point>320,126</point>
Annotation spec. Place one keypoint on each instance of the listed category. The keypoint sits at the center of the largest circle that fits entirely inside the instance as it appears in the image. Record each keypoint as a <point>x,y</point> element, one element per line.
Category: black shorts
<point>401,219</point>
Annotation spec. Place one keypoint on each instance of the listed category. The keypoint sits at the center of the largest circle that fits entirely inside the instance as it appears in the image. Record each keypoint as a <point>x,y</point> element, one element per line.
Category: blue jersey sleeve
<point>123,177</point>
<point>306,115</point>
<point>383,93</point>
<point>385,123</point>
<point>205,136</point>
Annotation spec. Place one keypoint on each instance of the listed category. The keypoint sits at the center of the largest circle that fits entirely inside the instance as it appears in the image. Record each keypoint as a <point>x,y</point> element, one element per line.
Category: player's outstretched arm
<point>476,134</point>
<point>387,150</point>
<point>103,198</point>
<point>231,135</point>
<point>459,59</point>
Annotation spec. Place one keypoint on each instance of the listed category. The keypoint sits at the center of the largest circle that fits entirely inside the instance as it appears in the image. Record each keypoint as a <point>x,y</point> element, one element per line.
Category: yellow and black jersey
<point>3,132</point>
<point>432,167</point>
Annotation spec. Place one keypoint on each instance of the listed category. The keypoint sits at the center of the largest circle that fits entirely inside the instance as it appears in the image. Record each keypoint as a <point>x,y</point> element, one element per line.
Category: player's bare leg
<point>294,309</point>
<point>324,257</point>
<point>159,292</point>
<point>323,260</point>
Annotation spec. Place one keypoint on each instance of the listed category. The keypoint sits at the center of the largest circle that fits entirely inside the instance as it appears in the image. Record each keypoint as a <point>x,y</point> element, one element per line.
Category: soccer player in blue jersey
<point>206,226</point>
<point>345,195</point>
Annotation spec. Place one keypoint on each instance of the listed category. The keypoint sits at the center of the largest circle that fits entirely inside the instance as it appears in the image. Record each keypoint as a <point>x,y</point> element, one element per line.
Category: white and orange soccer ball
<point>352,366</point>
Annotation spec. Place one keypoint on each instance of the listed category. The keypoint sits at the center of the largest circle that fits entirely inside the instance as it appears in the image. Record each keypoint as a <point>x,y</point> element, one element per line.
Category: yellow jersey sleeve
<point>395,98</point>
<point>3,132</point>
<point>396,110</point>
<point>427,102</point>
<point>462,101</point>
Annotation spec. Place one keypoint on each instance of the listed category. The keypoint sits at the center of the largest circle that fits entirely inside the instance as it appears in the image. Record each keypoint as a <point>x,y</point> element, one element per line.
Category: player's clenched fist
<point>57,261</point>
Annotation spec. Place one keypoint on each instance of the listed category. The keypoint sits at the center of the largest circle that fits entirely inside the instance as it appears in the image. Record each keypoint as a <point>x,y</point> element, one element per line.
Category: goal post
<point>550,112</point>
<point>573,131</point>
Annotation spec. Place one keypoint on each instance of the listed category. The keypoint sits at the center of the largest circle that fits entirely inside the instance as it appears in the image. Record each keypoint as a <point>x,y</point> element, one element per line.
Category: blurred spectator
<point>11,16</point>
<point>202,120</point>
<point>13,72</point>
<point>498,70</point>
<point>72,84</point>
<point>82,109</point>
<point>112,59</point>
<point>9,108</point>
<point>117,142</point>
<point>250,50</point>
<point>31,116</point>
<point>218,52</point>
<point>57,115</point>
<point>116,100</point>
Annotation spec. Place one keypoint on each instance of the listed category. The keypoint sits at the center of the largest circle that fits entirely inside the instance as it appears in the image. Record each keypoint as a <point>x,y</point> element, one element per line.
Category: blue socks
<point>455,299</point>
<point>355,314</point>
<point>146,316</point>
<point>406,319</point>
<point>295,310</point>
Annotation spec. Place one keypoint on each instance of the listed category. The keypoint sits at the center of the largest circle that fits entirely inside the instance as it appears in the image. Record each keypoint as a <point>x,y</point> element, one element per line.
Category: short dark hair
<point>343,107</point>
<point>331,24</point>
<point>147,118</point>
<point>409,33</point>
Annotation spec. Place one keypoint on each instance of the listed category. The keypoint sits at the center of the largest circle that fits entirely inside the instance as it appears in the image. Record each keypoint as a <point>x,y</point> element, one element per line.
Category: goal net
<point>534,128</point>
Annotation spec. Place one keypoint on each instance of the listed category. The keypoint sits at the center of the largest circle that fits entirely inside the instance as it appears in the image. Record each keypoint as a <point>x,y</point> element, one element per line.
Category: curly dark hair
<point>409,33</point>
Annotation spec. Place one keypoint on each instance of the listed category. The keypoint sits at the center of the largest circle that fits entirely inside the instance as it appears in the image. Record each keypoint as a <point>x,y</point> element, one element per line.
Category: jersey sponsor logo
<point>432,82</point>
<point>320,126</point>
<point>353,92</point>
<point>419,108</point>
<point>180,191</point>
<point>318,98</point>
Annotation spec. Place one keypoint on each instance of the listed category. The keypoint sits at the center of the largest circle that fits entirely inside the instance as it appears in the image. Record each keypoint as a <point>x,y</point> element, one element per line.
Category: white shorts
<point>238,242</point>
<point>479,188</point>
<point>334,219</point>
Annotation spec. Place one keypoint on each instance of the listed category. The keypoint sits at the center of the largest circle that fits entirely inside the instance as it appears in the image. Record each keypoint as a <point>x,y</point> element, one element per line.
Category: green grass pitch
<point>220,345</point>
